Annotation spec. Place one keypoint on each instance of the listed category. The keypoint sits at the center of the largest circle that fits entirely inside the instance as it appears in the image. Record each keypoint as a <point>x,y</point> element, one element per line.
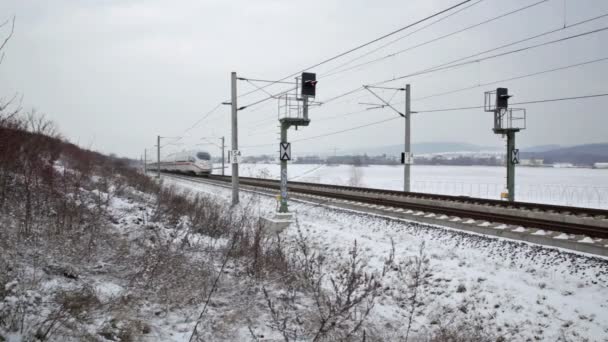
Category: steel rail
<point>550,208</point>
<point>398,199</point>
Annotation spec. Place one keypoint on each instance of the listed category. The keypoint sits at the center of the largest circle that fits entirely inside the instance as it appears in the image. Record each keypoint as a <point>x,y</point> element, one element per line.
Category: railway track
<point>564,219</point>
<point>578,229</point>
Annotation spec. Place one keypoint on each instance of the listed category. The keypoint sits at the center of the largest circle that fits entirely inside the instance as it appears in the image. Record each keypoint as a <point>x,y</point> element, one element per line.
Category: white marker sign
<point>285,151</point>
<point>515,156</point>
<point>234,156</point>
<point>407,158</point>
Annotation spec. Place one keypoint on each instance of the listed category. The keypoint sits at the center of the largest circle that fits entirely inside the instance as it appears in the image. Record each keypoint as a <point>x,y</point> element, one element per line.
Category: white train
<point>191,162</point>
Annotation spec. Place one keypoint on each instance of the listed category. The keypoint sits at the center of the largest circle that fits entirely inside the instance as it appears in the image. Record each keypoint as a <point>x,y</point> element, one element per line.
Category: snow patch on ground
<point>525,291</point>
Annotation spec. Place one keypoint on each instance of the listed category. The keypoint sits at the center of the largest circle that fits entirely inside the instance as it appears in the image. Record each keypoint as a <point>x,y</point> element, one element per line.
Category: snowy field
<point>564,186</point>
<point>516,290</point>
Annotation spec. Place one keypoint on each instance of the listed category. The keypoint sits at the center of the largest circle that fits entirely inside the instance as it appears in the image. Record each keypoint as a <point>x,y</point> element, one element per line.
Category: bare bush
<point>261,254</point>
<point>78,302</point>
<point>166,273</point>
<point>463,331</point>
<point>339,302</point>
<point>414,274</point>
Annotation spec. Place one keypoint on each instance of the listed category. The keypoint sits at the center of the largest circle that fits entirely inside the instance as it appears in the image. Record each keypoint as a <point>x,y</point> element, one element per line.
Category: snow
<point>562,186</point>
<point>108,290</point>
<point>530,292</point>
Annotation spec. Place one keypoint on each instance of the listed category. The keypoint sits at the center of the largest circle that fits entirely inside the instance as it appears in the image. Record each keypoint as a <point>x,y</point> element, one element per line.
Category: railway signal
<point>293,111</point>
<point>309,84</point>
<point>507,122</point>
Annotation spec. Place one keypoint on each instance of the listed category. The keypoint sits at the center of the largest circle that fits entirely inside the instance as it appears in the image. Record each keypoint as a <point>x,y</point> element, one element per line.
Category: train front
<point>203,163</point>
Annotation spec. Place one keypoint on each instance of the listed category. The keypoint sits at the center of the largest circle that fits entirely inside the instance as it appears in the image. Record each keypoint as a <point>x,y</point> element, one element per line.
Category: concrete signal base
<point>278,223</point>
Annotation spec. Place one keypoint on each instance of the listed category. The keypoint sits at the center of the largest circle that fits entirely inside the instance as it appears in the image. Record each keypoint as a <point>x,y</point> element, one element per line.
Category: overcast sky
<point>113,74</point>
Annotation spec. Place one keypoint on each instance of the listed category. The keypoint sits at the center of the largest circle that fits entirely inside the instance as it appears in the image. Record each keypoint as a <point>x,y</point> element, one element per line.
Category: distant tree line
<point>364,160</point>
<point>460,161</point>
<point>579,159</point>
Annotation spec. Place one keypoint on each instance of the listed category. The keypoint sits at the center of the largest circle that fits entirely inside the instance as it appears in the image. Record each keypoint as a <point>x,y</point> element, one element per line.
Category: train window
<point>203,156</point>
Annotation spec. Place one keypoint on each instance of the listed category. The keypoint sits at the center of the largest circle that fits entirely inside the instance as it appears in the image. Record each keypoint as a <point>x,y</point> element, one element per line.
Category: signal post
<point>293,111</point>
<point>507,122</point>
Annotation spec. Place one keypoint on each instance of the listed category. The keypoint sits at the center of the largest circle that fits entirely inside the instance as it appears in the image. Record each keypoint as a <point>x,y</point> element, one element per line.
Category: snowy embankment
<point>145,265</point>
<point>562,186</point>
<point>511,290</point>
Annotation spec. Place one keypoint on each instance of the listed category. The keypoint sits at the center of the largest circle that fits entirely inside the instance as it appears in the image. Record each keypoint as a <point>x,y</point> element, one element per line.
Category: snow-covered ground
<point>564,186</point>
<point>516,290</point>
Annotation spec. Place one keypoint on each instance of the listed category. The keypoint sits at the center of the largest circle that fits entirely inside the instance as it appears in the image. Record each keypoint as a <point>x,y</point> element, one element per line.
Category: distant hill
<point>541,148</point>
<point>552,153</point>
<point>578,155</point>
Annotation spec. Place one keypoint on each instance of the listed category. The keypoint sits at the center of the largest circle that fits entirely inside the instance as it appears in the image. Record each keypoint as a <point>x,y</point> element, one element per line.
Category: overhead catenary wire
<point>205,116</point>
<point>476,61</point>
<point>588,62</point>
<point>479,85</point>
<point>438,38</point>
<point>332,133</point>
<point>447,65</point>
<point>358,47</point>
<point>581,97</point>
<point>353,50</point>
<point>327,73</point>
<point>316,120</point>
<point>495,56</point>
<point>450,65</point>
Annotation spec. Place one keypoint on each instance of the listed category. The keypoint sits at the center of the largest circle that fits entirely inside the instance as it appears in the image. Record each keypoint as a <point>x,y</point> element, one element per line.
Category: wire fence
<point>559,194</point>
<point>581,196</point>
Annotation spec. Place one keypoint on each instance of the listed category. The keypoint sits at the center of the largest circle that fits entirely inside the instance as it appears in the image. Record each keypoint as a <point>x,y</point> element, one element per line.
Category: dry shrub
<point>262,254</point>
<point>78,302</point>
<point>203,214</point>
<point>323,304</point>
<point>166,273</point>
<point>124,329</point>
<point>464,331</point>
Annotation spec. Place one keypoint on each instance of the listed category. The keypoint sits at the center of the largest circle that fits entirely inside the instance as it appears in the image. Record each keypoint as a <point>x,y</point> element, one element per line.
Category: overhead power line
<point>258,124</point>
<point>358,47</point>
<point>428,71</point>
<point>448,65</point>
<point>333,133</point>
<point>330,71</point>
<point>343,54</point>
<point>582,97</point>
<point>438,38</point>
<point>203,118</point>
<point>510,79</point>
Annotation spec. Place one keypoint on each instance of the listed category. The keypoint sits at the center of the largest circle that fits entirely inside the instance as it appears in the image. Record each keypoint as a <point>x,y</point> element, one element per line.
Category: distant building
<point>563,165</point>
<point>532,162</point>
<point>600,165</point>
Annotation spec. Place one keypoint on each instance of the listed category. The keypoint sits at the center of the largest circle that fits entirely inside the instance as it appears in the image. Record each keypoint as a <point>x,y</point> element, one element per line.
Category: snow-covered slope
<point>513,290</point>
